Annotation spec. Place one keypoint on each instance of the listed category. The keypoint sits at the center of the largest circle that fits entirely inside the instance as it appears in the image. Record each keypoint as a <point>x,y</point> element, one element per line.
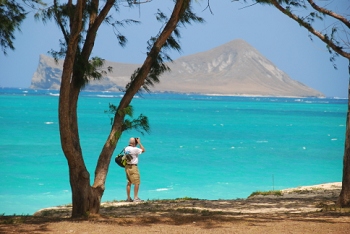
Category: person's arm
<point>141,146</point>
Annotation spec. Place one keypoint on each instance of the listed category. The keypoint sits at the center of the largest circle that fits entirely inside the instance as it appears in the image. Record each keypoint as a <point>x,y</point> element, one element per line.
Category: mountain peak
<point>234,68</point>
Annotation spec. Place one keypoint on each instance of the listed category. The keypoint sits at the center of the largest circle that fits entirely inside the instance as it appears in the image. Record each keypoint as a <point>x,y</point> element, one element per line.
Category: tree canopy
<point>12,14</point>
<point>79,23</point>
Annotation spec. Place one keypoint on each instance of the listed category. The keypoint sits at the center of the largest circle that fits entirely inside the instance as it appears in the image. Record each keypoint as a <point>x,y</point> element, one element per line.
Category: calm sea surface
<point>207,147</point>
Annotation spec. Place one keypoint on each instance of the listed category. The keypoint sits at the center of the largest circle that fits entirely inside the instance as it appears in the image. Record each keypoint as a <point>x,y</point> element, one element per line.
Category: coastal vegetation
<point>266,193</point>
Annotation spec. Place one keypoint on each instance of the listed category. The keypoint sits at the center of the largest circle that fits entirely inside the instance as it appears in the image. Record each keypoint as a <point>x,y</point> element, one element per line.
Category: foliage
<point>62,14</point>
<point>12,15</point>
<point>186,198</point>
<point>266,193</point>
<point>140,124</point>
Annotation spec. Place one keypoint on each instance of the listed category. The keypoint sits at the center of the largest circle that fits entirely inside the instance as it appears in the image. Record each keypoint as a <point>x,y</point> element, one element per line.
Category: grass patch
<point>173,200</point>
<point>306,191</point>
<point>186,198</point>
<point>266,193</point>
<point>15,219</point>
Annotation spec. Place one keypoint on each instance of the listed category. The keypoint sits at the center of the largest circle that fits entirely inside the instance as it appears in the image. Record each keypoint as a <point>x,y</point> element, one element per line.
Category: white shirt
<point>134,152</point>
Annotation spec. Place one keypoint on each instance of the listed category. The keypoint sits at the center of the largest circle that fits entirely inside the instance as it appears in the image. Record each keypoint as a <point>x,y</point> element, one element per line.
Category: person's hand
<point>141,146</point>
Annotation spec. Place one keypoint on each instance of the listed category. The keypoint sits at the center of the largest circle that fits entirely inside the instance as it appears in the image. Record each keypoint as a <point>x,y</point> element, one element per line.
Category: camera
<point>136,140</point>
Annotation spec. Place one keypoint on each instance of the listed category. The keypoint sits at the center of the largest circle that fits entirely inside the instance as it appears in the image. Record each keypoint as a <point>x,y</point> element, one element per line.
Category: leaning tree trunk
<point>117,128</point>
<point>344,197</point>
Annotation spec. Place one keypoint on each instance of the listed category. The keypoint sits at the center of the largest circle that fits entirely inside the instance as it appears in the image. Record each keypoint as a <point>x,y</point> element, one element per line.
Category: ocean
<point>200,146</point>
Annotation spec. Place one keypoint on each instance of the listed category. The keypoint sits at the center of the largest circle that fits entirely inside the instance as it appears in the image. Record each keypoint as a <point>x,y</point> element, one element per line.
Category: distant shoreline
<point>188,93</point>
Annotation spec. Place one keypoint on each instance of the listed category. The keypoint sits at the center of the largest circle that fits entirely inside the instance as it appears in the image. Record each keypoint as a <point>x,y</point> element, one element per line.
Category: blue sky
<point>275,36</point>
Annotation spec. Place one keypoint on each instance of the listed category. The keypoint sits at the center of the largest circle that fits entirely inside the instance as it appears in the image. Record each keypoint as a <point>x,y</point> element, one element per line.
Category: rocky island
<point>235,68</point>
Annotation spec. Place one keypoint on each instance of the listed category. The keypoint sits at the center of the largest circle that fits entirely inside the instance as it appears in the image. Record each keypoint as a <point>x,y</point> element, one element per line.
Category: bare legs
<point>128,189</point>
<point>136,190</point>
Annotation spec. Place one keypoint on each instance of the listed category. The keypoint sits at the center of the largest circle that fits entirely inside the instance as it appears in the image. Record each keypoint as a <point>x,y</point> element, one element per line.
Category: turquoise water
<point>208,147</point>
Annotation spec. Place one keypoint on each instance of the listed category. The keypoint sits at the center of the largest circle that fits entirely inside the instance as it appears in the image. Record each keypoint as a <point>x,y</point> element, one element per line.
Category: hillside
<point>235,68</point>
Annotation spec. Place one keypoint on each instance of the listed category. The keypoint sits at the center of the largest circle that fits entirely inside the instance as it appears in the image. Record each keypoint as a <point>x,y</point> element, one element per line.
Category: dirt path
<point>297,211</point>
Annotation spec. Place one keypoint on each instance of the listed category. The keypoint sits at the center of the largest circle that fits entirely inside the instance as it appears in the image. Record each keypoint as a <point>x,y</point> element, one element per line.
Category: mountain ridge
<point>234,68</point>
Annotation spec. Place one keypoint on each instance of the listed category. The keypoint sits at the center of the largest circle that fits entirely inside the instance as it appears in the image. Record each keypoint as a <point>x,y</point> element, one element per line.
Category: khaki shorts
<point>132,174</point>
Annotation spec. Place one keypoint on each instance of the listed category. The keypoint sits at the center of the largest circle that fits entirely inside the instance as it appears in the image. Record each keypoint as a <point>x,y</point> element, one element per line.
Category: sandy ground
<point>299,210</point>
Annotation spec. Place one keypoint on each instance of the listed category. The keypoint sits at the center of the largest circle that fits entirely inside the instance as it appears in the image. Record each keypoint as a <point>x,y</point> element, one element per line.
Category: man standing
<point>131,169</point>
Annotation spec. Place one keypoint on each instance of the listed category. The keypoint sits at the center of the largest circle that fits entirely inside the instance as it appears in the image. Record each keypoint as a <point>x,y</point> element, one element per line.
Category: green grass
<point>186,198</point>
<point>15,219</point>
<point>266,193</point>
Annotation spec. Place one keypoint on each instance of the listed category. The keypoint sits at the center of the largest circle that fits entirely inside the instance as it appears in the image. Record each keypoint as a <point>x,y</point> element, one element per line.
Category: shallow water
<point>208,147</point>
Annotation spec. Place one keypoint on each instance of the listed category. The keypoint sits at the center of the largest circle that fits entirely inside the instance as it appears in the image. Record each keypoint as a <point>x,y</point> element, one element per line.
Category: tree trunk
<point>116,131</point>
<point>344,197</point>
<point>85,199</point>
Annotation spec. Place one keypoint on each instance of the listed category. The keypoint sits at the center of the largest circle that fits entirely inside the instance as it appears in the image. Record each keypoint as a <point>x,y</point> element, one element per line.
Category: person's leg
<point>136,190</point>
<point>136,181</point>
<point>128,188</point>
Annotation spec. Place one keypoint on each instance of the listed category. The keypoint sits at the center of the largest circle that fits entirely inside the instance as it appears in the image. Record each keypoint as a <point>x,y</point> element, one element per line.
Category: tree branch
<point>135,85</point>
<point>330,13</point>
<point>95,22</point>
<point>60,24</point>
<point>306,25</point>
